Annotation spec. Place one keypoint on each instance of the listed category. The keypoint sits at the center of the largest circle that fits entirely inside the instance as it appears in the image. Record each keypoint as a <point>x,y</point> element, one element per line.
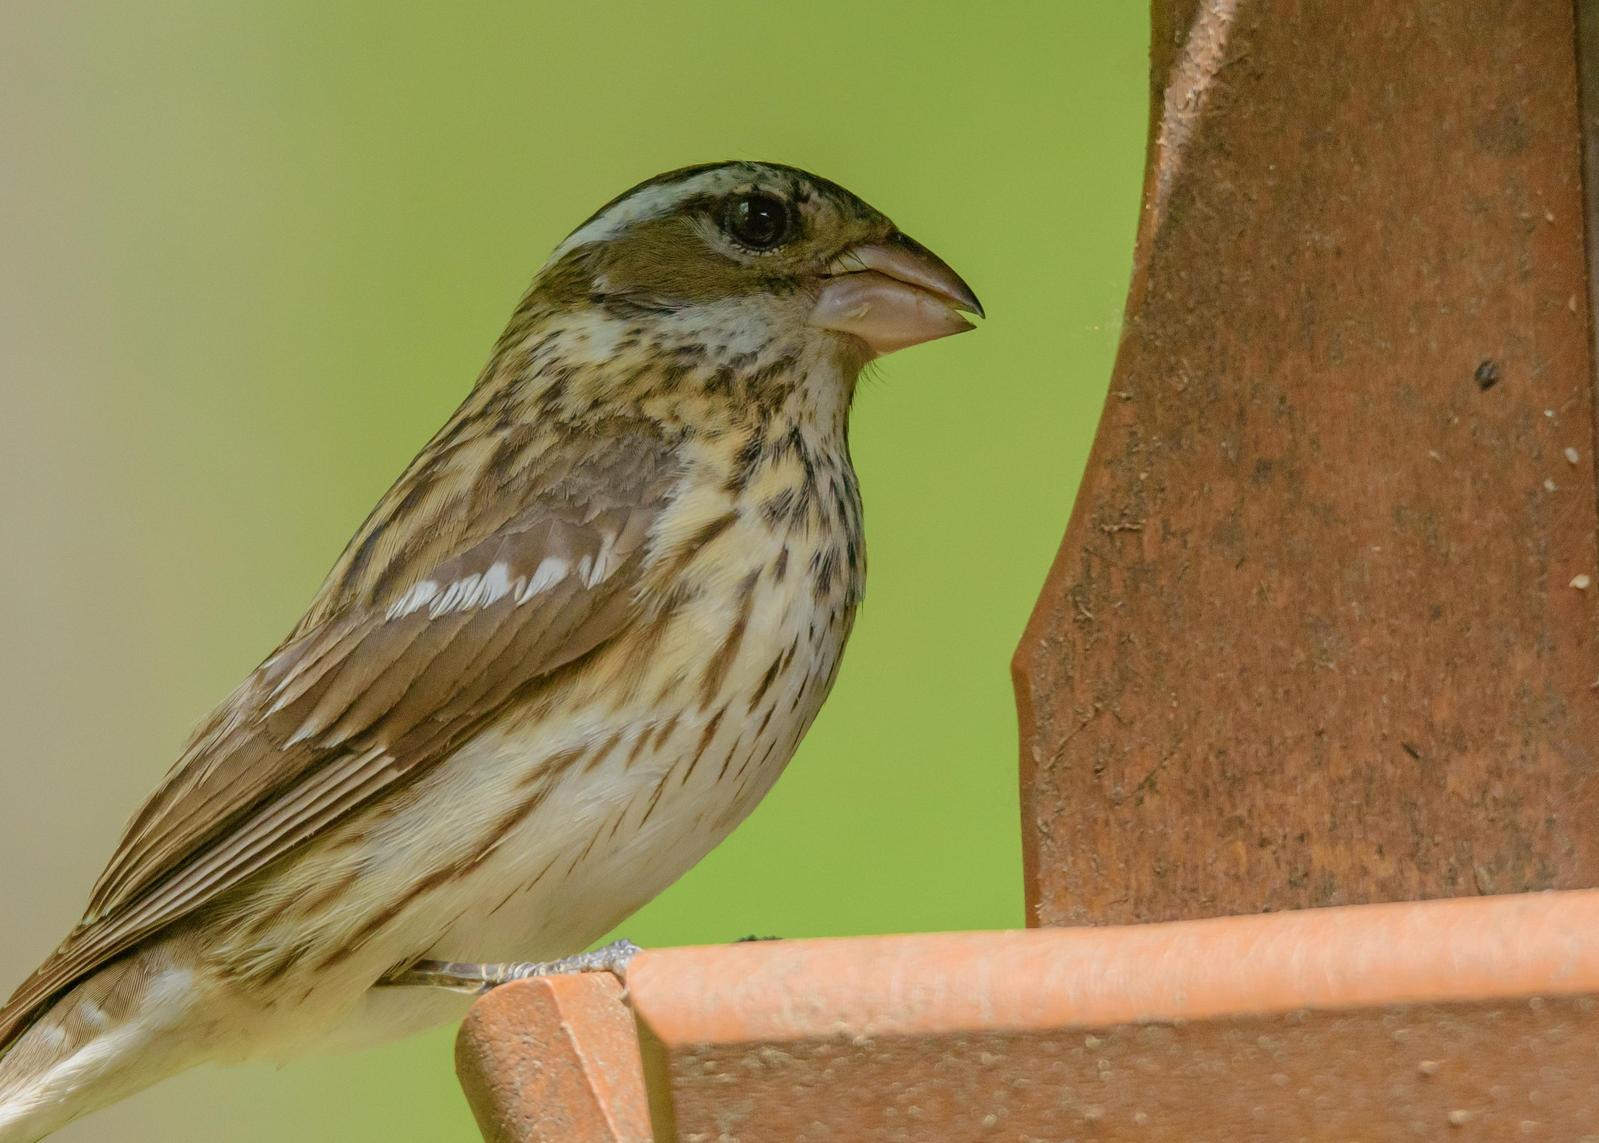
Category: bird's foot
<point>464,977</point>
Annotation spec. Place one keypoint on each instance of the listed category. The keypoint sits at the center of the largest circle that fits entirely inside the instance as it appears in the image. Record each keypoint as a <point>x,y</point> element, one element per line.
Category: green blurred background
<point>251,254</point>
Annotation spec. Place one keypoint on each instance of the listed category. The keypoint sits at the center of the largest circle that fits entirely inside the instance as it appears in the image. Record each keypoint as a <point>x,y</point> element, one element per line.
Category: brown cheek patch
<point>669,259</point>
<point>569,282</point>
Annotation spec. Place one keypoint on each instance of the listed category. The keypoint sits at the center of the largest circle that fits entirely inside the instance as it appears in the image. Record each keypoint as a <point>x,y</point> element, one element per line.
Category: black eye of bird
<point>759,221</point>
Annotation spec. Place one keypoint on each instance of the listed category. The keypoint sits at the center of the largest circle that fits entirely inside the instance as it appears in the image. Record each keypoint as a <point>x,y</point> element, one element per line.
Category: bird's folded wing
<point>370,697</point>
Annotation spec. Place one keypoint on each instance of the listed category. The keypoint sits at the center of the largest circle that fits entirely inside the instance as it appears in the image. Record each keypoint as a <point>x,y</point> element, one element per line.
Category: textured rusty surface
<point>1588,75</point>
<point>1310,637</point>
<point>1490,1071</point>
<point>1379,1022</point>
<point>554,1060</point>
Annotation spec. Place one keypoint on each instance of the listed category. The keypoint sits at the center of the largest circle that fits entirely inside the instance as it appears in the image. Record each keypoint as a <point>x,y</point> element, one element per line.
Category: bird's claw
<point>612,958</point>
<point>480,978</point>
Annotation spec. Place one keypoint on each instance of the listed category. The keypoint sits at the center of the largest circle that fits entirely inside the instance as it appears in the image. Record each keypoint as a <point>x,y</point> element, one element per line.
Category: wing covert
<point>374,694</point>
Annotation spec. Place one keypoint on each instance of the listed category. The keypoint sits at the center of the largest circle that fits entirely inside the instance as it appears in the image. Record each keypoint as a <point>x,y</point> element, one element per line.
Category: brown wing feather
<point>393,676</point>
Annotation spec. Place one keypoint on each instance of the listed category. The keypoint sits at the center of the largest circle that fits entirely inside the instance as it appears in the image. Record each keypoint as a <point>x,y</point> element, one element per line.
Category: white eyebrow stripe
<point>651,202</point>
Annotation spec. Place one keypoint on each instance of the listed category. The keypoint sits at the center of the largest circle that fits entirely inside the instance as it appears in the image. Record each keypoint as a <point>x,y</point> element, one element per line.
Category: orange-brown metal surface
<point>1373,1023</point>
<point>554,1060</point>
<point>1318,630</point>
<point>1418,1072</point>
<point>1588,76</point>
<point>1376,1022</point>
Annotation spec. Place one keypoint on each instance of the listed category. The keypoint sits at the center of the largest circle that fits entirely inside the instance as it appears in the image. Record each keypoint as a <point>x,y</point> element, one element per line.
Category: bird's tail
<point>103,1040</point>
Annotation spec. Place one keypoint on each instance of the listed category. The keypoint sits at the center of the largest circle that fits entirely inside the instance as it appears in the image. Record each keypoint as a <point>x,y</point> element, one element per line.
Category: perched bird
<point>565,655</point>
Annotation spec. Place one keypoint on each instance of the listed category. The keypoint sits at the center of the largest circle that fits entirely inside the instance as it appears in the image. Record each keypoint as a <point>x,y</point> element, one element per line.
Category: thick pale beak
<point>894,294</point>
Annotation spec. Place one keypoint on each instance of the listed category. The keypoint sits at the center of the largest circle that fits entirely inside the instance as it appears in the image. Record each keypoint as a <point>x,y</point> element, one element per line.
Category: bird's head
<point>746,258</point>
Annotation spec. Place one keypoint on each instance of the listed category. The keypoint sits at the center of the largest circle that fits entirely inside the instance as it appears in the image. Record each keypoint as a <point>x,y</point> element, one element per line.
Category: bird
<point>564,656</point>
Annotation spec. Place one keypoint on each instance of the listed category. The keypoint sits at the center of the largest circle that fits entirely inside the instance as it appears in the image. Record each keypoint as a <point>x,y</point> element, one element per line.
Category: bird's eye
<point>759,221</point>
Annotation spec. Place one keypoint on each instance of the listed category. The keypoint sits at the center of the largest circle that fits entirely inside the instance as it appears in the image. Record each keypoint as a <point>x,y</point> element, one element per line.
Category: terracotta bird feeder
<point>1310,699</point>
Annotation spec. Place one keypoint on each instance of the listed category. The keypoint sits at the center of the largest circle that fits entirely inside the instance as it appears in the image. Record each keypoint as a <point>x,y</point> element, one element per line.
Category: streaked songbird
<point>564,656</point>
